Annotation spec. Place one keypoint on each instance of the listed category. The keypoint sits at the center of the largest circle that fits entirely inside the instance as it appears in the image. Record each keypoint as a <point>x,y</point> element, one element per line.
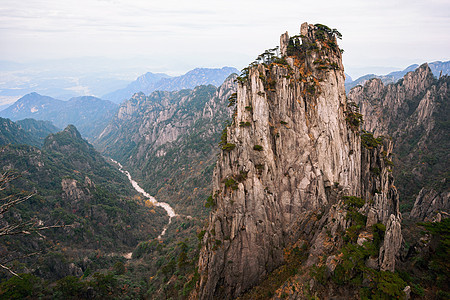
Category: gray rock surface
<point>414,113</point>
<point>429,203</point>
<point>292,157</point>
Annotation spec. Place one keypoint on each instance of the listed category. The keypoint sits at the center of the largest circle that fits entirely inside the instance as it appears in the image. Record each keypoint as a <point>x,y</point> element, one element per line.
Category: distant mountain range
<point>151,82</point>
<point>436,67</point>
<point>89,114</point>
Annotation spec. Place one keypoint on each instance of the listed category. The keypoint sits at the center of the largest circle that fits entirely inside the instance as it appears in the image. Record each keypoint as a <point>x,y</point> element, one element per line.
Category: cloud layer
<point>175,33</point>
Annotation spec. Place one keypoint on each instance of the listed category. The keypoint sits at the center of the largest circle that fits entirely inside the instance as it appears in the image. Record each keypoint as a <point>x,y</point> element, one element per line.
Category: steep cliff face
<point>414,112</point>
<point>386,106</point>
<point>290,155</point>
<point>431,205</point>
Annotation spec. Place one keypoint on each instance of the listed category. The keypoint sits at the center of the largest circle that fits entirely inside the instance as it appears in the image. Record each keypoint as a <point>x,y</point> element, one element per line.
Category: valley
<point>169,210</point>
<point>287,180</point>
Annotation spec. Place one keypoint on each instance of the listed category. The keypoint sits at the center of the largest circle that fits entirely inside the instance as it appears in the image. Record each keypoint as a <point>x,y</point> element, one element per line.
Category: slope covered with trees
<point>74,186</point>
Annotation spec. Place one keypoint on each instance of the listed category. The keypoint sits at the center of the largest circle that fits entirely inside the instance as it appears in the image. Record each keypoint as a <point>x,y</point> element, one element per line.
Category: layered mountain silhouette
<point>150,82</point>
<point>89,114</point>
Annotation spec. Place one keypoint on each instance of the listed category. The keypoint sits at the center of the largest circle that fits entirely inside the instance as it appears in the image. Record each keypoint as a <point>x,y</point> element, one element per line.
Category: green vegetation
<point>105,213</point>
<point>210,202</point>
<point>258,148</point>
<point>228,147</point>
<point>231,183</point>
<point>241,176</point>
<point>352,272</point>
<point>224,136</point>
<point>368,141</point>
<point>170,265</point>
<point>358,220</point>
<point>372,284</point>
<point>322,29</point>
<point>353,117</point>
<point>421,155</point>
<point>353,201</point>
<point>294,257</point>
<point>177,172</point>
<point>12,133</point>
<point>244,124</point>
<point>232,99</point>
<point>323,34</point>
<point>378,231</point>
<point>376,171</point>
<point>435,262</point>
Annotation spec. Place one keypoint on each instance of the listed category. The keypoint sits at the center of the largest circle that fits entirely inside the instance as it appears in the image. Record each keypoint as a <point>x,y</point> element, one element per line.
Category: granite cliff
<point>293,171</point>
<point>414,112</point>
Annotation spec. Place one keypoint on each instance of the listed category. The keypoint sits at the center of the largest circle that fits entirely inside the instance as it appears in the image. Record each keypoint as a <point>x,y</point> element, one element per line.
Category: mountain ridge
<point>189,80</point>
<point>436,67</point>
<point>413,112</point>
<point>88,113</point>
<point>170,138</point>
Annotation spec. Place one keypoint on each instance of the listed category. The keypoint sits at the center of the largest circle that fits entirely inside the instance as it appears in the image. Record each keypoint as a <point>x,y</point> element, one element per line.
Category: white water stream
<point>152,199</point>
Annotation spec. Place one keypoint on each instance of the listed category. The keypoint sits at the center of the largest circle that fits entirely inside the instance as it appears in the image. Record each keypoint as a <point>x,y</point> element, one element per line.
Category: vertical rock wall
<point>289,147</point>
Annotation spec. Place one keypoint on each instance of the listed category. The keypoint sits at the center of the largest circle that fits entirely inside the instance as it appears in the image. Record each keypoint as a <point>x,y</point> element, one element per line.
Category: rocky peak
<point>70,136</point>
<point>413,112</point>
<point>384,105</point>
<point>72,132</point>
<point>290,155</point>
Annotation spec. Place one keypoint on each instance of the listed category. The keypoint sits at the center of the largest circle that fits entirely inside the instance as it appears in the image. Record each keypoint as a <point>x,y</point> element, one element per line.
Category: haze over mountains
<point>438,68</point>
<point>65,80</point>
<point>65,84</point>
<point>89,114</point>
<point>301,198</point>
<point>150,82</point>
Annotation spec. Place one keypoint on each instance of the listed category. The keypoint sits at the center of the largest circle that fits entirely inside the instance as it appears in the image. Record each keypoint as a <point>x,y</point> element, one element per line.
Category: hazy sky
<point>177,35</point>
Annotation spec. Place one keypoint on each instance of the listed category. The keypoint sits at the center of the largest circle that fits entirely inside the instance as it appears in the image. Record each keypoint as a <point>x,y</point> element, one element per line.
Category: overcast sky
<point>174,36</point>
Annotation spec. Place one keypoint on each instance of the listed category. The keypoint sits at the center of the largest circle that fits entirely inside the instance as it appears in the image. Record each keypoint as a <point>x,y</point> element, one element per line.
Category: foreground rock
<point>291,155</point>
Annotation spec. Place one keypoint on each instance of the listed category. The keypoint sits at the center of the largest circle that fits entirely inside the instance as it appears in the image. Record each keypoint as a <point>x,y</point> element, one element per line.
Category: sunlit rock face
<point>290,154</point>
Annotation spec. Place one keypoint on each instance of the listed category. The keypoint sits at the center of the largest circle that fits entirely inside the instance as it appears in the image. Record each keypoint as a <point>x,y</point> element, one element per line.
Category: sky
<point>174,36</point>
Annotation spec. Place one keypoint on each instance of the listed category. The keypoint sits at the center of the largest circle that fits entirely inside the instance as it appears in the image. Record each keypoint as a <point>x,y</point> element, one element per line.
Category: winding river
<point>152,199</point>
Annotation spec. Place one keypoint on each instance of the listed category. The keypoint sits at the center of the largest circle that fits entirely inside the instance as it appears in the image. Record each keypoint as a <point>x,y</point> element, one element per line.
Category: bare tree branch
<point>10,271</point>
<point>10,203</point>
<point>22,227</point>
<point>23,256</point>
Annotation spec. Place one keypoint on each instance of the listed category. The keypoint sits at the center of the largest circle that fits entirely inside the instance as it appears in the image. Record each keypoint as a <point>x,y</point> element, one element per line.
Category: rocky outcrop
<point>430,205</point>
<point>291,154</point>
<point>386,106</point>
<point>414,112</point>
<point>377,182</point>
<point>73,194</point>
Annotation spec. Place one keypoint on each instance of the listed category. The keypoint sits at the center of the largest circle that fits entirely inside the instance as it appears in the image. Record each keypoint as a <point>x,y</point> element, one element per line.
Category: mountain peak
<point>73,131</point>
<point>151,82</point>
<point>69,138</point>
<point>281,179</point>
